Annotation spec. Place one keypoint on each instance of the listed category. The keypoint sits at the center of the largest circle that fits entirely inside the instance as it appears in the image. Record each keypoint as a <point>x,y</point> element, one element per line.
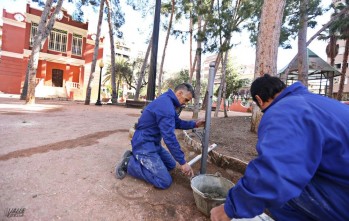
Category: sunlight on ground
<point>19,106</point>
<point>24,107</point>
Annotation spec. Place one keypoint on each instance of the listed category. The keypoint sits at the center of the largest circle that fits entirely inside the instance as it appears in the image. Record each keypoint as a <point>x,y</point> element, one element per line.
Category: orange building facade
<point>65,58</point>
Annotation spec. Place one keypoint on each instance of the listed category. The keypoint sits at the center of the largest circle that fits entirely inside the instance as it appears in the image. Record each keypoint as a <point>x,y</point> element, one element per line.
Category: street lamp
<point>154,53</point>
<point>101,65</point>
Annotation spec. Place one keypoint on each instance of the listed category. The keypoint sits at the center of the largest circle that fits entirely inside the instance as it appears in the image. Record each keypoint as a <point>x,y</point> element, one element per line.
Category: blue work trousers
<point>153,167</point>
<point>320,200</point>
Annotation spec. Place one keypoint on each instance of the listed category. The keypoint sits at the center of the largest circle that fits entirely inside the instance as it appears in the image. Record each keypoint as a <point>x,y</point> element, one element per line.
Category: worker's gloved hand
<point>200,123</point>
<point>218,214</point>
<point>187,170</point>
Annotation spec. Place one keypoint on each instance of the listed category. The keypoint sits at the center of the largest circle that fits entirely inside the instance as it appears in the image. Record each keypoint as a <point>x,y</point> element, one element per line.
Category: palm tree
<point>341,26</point>
<point>123,71</point>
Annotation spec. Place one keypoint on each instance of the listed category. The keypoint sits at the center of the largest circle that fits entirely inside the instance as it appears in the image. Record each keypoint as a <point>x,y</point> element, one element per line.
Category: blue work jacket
<point>303,138</point>
<point>159,121</point>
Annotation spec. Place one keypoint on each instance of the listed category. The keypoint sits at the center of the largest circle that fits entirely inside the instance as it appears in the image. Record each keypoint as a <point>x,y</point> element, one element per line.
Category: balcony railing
<point>72,84</point>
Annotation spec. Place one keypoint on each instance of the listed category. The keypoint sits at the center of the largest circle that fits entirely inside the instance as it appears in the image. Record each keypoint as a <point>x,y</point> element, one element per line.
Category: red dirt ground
<point>57,162</point>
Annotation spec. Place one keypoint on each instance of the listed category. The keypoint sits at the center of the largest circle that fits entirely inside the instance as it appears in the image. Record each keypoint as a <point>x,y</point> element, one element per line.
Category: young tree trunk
<point>302,44</point>
<point>203,30</point>
<point>164,52</point>
<point>95,54</point>
<point>44,30</point>
<point>344,70</point>
<point>224,99</point>
<point>221,88</point>
<point>142,73</point>
<point>114,96</point>
<point>38,41</point>
<point>217,61</point>
<point>191,69</point>
<point>198,74</point>
<point>267,47</point>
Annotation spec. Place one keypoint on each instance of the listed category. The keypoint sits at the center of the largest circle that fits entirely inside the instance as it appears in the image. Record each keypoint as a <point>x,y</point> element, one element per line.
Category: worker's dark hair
<point>266,87</point>
<point>186,87</point>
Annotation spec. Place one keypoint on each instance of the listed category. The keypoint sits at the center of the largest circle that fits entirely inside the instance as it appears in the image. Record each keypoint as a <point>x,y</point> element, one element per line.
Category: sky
<point>177,55</point>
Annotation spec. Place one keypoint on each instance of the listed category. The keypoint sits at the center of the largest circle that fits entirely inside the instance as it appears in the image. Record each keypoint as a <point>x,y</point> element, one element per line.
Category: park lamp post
<point>101,65</point>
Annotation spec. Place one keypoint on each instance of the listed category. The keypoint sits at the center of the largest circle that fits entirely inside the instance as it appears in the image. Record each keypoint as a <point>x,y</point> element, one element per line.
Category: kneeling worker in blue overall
<point>301,171</point>
<point>149,161</point>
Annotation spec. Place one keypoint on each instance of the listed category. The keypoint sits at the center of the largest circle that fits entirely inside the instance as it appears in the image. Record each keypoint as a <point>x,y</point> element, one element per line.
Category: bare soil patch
<point>234,138</point>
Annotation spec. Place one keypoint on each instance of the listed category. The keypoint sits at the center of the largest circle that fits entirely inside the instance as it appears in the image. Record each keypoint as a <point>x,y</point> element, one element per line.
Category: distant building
<point>206,69</point>
<point>245,70</point>
<point>126,51</point>
<point>65,58</point>
<point>338,63</point>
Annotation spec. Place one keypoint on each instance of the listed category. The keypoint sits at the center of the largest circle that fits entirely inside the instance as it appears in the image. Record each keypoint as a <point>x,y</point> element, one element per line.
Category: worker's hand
<point>218,214</point>
<point>187,170</point>
<point>200,123</point>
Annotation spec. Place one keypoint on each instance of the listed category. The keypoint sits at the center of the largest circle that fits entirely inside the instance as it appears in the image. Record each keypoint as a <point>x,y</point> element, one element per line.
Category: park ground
<point>57,162</point>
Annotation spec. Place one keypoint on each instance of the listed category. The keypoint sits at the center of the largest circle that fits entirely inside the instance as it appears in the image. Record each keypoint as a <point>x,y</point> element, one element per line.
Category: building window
<point>58,40</point>
<point>341,50</point>
<point>77,45</point>
<point>339,65</point>
<point>57,78</point>
<point>33,32</point>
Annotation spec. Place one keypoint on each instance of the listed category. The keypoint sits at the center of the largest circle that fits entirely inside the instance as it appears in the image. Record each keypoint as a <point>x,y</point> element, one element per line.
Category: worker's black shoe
<point>121,168</point>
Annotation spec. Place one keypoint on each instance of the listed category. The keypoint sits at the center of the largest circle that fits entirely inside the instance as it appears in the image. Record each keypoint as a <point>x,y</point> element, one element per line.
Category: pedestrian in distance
<point>301,171</point>
<point>148,160</point>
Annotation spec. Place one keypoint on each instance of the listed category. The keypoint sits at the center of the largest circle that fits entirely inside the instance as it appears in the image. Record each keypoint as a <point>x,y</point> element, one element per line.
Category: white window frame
<point>77,45</point>
<point>58,40</point>
<point>33,32</point>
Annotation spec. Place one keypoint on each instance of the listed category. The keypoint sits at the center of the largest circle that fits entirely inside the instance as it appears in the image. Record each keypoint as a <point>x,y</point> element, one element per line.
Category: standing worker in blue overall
<point>148,160</point>
<point>302,168</point>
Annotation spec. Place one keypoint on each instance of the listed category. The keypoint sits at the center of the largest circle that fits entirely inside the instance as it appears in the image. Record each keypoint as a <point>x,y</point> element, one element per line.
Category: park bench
<point>136,104</point>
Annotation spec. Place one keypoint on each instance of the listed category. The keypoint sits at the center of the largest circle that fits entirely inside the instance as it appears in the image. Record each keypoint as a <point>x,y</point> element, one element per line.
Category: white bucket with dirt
<point>209,191</point>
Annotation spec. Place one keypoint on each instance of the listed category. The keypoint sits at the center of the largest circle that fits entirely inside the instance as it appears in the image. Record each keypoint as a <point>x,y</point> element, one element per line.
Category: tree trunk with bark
<point>268,37</point>
<point>142,73</point>
<point>95,54</point>
<point>267,47</point>
<point>114,96</point>
<point>324,27</point>
<point>198,74</point>
<point>38,41</point>
<point>332,52</point>
<point>203,30</point>
<point>217,61</point>
<point>44,30</point>
<point>221,88</point>
<point>303,66</point>
<point>191,68</point>
<point>165,46</point>
<point>344,70</point>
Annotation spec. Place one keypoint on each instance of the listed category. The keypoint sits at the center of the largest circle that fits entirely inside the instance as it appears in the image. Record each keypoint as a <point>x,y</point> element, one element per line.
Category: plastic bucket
<point>209,191</point>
